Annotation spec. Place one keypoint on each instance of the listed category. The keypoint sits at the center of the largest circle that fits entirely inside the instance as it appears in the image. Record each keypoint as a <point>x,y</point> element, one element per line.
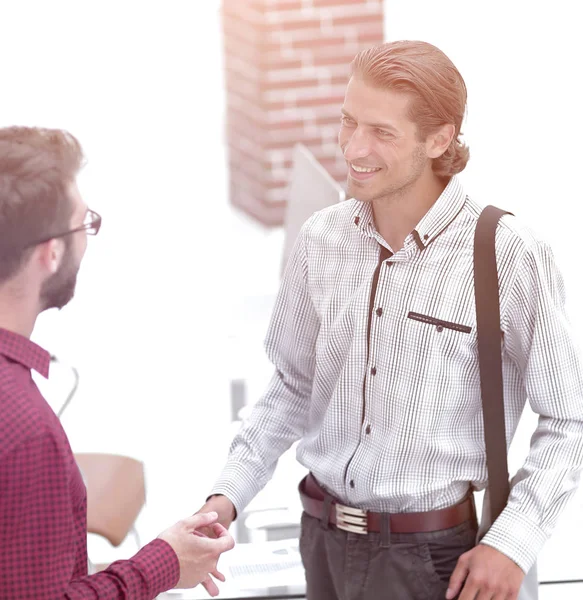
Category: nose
<point>357,146</point>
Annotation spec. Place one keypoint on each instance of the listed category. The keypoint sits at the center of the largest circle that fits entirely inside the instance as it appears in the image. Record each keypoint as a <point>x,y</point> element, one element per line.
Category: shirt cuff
<point>238,485</point>
<point>158,561</point>
<point>516,536</point>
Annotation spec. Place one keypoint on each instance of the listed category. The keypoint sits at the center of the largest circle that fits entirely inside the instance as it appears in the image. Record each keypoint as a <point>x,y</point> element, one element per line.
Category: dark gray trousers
<point>407,566</point>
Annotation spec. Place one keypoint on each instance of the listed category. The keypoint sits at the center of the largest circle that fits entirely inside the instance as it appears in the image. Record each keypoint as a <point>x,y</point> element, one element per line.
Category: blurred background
<point>189,112</point>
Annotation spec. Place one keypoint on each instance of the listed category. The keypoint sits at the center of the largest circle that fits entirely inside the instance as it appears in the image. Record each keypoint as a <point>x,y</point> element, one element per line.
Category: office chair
<point>116,493</point>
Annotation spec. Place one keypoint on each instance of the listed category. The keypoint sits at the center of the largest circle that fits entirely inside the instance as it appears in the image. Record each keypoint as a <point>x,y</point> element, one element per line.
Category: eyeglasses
<point>91,225</point>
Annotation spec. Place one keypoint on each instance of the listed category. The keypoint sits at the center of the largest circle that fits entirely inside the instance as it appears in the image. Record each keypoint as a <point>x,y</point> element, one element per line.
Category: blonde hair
<point>36,167</point>
<point>436,86</point>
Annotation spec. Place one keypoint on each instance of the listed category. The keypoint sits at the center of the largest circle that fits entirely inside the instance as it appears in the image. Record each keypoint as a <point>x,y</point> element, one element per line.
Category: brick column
<point>287,65</point>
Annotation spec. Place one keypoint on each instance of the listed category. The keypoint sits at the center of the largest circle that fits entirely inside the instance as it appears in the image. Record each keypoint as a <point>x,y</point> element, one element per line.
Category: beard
<point>394,189</point>
<point>59,289</point>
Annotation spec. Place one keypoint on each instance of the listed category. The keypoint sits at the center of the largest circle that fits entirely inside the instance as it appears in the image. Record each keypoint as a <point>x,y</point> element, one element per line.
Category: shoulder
<point>338,215</point>
<point>20,417</point>
<point>524,258</point>
<point>514,237</point>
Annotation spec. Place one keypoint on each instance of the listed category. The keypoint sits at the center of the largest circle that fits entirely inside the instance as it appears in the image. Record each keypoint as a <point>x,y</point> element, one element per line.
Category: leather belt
<point>356,520</point>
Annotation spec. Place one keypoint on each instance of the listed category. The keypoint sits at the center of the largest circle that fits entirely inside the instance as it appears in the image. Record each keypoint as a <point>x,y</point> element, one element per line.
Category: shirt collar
<point>442,213</point>
<point>439,216</point>
<point>21,350</point>
<point>363,218</point>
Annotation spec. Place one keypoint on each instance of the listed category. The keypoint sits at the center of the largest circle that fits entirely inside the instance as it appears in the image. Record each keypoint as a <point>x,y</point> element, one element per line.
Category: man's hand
<point>485,574</point>
<point>198,554</point>
<point>225,510</point>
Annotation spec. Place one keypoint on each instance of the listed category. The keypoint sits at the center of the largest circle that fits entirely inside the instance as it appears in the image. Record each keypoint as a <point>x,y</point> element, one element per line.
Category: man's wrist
<point>233,515</point>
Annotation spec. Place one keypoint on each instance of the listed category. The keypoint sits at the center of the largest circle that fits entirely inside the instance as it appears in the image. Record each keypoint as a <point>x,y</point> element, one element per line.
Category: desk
<point>261,571</point>
<point>280,593</point>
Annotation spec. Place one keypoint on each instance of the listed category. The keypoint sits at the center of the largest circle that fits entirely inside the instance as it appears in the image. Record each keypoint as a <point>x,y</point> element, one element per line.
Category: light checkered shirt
<point>377,371</point>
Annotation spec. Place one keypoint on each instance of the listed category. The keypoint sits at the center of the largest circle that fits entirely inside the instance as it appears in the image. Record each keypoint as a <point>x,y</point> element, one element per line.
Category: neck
<point>397,214</point>
<point>17,314</point>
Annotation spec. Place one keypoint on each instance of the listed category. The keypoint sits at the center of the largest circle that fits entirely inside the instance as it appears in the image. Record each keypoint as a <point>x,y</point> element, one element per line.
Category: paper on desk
<point>265,564</point>
<point>261,565</point>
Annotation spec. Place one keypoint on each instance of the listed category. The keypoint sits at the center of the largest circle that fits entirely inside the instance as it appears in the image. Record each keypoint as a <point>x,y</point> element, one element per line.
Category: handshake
<point>199,541</point>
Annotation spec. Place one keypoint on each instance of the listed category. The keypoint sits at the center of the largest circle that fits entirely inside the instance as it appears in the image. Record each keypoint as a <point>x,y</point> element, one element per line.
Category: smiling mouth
<point>362,174</point>
<point>365,169</point>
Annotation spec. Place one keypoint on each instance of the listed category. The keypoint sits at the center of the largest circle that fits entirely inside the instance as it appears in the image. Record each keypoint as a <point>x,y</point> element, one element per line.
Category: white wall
<point>140,84</point>
<point>521,61</point>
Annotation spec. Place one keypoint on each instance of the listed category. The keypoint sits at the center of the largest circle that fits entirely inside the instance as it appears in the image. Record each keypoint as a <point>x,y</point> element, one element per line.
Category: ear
<point>437,143</point>
<point>50,255</point>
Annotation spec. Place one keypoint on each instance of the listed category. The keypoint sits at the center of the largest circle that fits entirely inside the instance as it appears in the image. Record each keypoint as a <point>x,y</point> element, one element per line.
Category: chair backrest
<point>116,493</point>
<point>311,189</point>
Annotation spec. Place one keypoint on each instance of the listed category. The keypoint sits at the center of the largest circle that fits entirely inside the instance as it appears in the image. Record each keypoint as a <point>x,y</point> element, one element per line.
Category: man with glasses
<point>44,225</point>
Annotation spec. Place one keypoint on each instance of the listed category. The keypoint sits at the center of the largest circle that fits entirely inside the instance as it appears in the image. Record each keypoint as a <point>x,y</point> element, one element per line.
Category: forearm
<point>41,552</point>
<point>279,418</point>
<point>540,491</point>
<point>276,422</point>
<point>539,340</point>
<point>153,570</point>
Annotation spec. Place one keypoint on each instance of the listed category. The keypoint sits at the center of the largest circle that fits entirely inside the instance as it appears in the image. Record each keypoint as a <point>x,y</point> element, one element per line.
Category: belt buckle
<point>351,519</point>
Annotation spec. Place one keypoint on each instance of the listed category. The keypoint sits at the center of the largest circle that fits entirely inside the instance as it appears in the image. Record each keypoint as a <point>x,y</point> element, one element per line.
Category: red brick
<point>340,80</point>
<point>252,118</point>
<point>286,5</point>
<point>278,105</point>
<point>360,20</point>
<point>318,3</point>
<point>331,113</point>
<point>328,162</point>
<point>268,213</point>
<point>279,63</point>
<point>281,142</point>
<point>372,34</point>
<point>340,58</point>
<point>271,185</point>
<point>328,41</point>
<point>294,25</point>
<point>317,101</point>
<point>328,120</point>
<point>246,11</point>
<point>247,170</point>
<point>291,84</point>
<point>287,165</point>
<point>288,124</point>
<point>238,130</point>
<point>241,50</point>
<point>285,81</point>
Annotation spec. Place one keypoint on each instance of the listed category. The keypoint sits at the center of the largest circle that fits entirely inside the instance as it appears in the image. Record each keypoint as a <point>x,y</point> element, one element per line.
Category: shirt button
<point>356,220</point>
<point>352,483</point>
<point>368,430</point>
<point>373,371</point>
<point>439,328</point>
<point>426,237</point>
<point>379,311</point>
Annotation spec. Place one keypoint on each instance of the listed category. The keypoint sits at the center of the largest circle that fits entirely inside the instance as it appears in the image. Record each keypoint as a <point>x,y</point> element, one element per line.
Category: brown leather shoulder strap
<point>490,356</point>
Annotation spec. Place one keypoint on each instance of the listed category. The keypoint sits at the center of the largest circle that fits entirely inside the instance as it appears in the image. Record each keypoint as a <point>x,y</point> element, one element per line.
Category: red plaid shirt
<point>43,501</point>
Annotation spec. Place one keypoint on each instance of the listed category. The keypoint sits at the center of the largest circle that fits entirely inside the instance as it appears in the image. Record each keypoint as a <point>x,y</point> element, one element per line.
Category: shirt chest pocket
<point>441,337</point>
<point>439,324</point>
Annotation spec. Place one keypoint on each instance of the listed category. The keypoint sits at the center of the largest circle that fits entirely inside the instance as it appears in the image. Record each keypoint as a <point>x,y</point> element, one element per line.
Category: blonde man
<point>373,339</point>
